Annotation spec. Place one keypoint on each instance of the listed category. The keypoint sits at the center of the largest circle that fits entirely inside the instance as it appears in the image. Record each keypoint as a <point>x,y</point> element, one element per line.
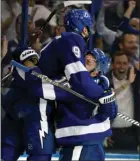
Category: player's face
<point>31,62</point>
<point>120,67</point>
<point>90,62</point>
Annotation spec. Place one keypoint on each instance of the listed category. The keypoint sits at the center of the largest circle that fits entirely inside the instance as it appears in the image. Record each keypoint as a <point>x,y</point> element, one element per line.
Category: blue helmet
<point>103,61</point>
<point>75,20</point>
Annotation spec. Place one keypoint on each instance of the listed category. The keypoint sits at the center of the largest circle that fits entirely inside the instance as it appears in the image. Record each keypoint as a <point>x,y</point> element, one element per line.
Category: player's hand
<point>90,62</point>
<point>132,4</point>
<point>108,106</point>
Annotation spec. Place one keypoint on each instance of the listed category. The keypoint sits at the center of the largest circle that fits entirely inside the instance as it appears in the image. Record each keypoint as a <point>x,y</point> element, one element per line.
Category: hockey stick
<point>45,78</point>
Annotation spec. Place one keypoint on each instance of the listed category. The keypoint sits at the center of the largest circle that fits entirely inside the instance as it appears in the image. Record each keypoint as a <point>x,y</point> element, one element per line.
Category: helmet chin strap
<point>92,70</point>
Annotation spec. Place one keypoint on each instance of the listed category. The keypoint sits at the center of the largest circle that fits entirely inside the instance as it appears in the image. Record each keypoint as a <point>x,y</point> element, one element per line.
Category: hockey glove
<point>108,107</point>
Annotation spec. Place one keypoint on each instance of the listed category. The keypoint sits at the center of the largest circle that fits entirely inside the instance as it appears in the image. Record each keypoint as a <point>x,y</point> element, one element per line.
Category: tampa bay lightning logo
<point>86,15</point>
<point>76,51</point>
<point>96,80</point>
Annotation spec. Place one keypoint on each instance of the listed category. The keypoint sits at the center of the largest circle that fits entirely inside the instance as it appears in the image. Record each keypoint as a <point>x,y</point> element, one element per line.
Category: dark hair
<point>40,2</point>
<point>118,53</point>
<point>40,22</point>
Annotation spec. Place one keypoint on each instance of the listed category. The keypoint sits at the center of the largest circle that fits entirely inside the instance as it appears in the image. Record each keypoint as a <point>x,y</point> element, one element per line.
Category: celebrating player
<point>64,56</point>
<point>81,127</point>
<point>28,123</point>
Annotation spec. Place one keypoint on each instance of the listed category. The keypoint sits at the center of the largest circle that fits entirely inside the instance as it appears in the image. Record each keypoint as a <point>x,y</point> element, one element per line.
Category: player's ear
<point>85,32</point>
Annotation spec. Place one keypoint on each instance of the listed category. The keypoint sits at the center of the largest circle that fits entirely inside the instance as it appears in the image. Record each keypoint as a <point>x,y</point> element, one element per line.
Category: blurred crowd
<point>116,32</point>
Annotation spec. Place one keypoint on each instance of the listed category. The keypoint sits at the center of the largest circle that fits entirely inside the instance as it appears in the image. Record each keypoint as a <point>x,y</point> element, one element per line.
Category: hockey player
<point>76,123</point>
<point>64,56</point>
<point>28,123</point>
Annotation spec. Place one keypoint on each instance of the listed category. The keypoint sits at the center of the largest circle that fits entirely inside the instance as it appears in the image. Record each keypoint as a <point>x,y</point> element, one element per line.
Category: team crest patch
<point>76,51</point>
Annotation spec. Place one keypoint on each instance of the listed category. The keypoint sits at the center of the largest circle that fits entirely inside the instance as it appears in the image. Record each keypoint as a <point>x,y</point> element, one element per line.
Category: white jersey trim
<point>74,68</point>
<point>48,91</point>
<point>77,152</point>
<point>83,130</point>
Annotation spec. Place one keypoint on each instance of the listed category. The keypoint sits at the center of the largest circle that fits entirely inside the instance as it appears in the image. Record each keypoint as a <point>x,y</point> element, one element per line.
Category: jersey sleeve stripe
<point>21,73</point>
<point>48,91</point>
<point>82,130</point>
<point>74,68</point>
<point>76,152</point>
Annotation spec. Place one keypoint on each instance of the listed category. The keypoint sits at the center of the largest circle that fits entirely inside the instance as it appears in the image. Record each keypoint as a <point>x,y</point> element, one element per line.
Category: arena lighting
<point>69,3</point>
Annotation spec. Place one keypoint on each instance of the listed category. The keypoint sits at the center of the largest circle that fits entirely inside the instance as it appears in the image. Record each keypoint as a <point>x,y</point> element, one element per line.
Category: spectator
<point>12,8</point>
<point>129,44</point>
<point>109,36</point>
<point>7,15</point>
<point>42,12</point>
<point>13,43</point>
<point>47,32</point>
<point>125,80</point>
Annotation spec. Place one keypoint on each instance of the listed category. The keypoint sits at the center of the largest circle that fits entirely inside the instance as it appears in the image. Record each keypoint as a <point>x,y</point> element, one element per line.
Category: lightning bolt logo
<point>43,121</point>
<point>44,129</point>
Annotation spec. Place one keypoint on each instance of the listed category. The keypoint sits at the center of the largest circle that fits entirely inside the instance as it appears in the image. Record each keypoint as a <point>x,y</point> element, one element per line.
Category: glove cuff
<point>108,99</point>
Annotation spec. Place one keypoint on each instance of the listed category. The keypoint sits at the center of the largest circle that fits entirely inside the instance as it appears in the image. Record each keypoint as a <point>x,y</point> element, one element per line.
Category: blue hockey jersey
<point>64,56</point>
<point>80,123</point>
<point>75,120</point>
